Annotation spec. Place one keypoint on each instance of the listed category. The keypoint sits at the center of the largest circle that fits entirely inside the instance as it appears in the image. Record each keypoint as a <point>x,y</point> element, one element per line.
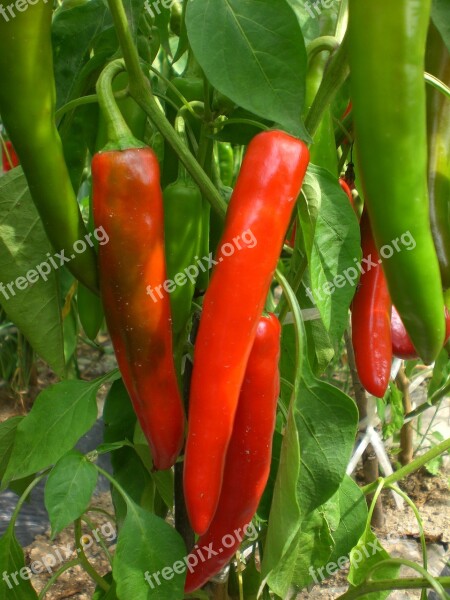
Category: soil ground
<point>399,534</point>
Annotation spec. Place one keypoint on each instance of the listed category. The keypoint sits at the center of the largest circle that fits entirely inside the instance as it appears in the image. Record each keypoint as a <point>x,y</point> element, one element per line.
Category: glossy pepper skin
<point>346,188</point>
<point>248,458</point>
<point>27,108</point>
<point>11,161</point>
<point>128,204</point>
<point>90,309</point>
<point>183,228</point>
<point>438,111</point>
<point>389,112</point>
<point>402,347</point>
<point>258,216</point>
<point>371,323</point>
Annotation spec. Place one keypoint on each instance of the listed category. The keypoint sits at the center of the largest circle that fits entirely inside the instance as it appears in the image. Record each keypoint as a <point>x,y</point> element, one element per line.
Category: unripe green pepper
<point>386,55</point>
<point>226,163</point>
<point>182,229</point>
<point>27,108</point>
<point>438,111</point>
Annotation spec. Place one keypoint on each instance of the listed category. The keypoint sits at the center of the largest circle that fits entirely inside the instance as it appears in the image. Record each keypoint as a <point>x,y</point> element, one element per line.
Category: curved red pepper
<point>371,319</point>
<point>346,188</point>
<point>248,458</point>
<point>7,165</point>
<point>402,346</point>
<point>259,213</point>
<point>128,204</point>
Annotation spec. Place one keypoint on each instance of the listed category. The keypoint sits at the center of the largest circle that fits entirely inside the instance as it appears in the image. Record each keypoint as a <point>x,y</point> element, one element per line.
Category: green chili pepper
<point>27,108</point>
<point>386,54</point>
<point>438,109</point>
<point>182,227</point>
<point>226,163</point>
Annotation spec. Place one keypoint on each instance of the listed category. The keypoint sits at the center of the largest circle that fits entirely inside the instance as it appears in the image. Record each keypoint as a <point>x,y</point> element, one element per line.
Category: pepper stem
<point>118,132</point>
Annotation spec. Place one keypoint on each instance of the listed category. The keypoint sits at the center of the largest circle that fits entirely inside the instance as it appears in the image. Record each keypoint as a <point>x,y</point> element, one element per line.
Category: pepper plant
<point>188,177</point>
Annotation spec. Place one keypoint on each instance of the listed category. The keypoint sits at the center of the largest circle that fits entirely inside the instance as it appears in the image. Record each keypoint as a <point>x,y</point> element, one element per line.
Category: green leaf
<point>254,53</point>
<point>68,490</point>
<point>100,594</point>
<point>363,558</point>
<point>7,434</point>
<point>322,423</point>
<point>397,411</point>
<point>333,247</point>
<point>36,310</point>
<point>148,547</point>
<point>326,422</point>
<point>441,373</point>
<point>73,34</point>
<point>351,515</point>
<point>440,13</point>
<point>13,567</point>
<point>60,416</point>
<point>128,468</point>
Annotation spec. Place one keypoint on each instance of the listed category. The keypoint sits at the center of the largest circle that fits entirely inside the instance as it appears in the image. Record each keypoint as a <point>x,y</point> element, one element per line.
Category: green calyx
<point>119,134</point>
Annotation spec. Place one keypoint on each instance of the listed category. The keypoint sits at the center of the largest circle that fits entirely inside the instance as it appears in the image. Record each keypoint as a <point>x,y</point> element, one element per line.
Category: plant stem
<point>320,44</point>
<point>75,104</point>
<point>59,572</point>
<point>437,84</point>
<point>141,92</point>
<point>84,561</point>
<point>413,466</point>
<point>410,583</point>
<point>335,75</point>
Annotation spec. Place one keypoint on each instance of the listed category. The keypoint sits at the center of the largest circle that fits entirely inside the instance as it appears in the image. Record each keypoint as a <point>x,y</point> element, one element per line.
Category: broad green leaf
<point>60,416</point>
<point>330,223</point>
<point>326,421</point>
<point>69,489</point>
<point>285,515</point>
<point>322,424</point>
<point>128,468</point>
<point>350,507</point>
<point>73,33</point>
<point>440,13</point>
<point>100,594</point>
<point>147,549</point>
<point>363,558</point>
<point>35,309</point>
<point>254,53</point>
<point>7,434</point>
<point>14,582</point>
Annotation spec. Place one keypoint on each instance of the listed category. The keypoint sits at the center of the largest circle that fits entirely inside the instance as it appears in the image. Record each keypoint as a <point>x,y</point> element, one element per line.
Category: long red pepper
<point>371,322</point>
<point>248,458</point>
<point>258,217</point>
<point>128,204</point>
<point>11,161</point>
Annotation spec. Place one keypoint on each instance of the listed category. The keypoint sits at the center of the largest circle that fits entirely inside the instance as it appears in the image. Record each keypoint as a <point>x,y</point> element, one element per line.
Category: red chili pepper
<point>402,346</point>
<point>7,165</point>
<point>348,110</point>
<point>346,188</point>
<point>290,241</point>
<point>128,205</point>
<point>258,217</point>
<point>248,458</point>
<point>371,319</point>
